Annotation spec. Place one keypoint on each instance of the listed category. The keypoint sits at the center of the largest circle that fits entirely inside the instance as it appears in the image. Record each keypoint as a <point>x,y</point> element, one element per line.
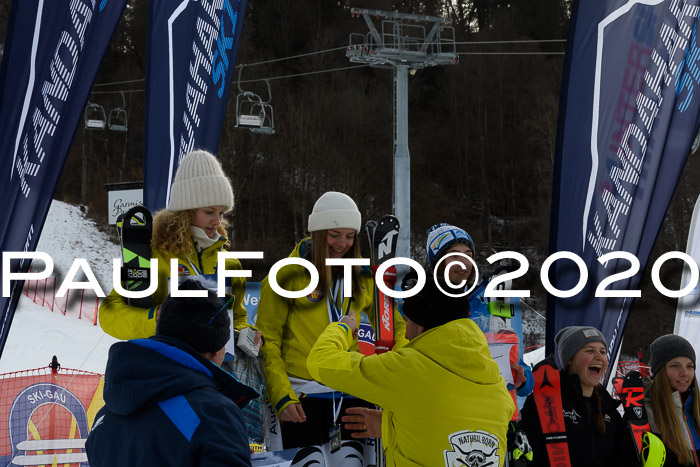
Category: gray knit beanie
<point>194,321</point>
<point>334,210</point>
<point>571,339</point>
<point>668,347</point>
<point>200,182</point>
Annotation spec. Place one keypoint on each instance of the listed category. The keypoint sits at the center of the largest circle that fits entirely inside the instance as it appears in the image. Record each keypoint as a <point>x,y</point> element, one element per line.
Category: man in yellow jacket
<point>443,399</point>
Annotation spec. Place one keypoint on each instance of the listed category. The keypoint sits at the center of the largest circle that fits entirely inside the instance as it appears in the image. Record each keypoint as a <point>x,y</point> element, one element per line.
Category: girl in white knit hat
<point>192,230</point>
<point>308,410</point>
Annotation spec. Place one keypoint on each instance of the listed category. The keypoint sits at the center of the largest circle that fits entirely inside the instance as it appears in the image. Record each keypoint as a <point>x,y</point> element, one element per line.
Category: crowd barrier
<point>82,304</point>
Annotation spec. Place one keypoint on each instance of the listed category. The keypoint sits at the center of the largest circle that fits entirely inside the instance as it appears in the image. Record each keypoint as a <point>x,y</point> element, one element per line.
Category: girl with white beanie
<point>308,410</point>
<point>192,230</point>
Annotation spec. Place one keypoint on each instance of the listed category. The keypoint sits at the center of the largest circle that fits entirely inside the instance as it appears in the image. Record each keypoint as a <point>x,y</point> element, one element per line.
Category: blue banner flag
<point>52,53</point>
<point>192,48</point>
<point>627,118</point>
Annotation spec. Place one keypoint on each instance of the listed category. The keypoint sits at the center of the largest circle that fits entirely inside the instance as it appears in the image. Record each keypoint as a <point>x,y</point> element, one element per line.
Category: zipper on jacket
<point>585,418</point>
<point>690,435</point>
<point>689,429</point>
<point>198,253</point>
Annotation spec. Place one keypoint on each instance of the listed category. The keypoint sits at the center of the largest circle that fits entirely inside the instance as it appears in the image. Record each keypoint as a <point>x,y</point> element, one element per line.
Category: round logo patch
<point>315,296</point>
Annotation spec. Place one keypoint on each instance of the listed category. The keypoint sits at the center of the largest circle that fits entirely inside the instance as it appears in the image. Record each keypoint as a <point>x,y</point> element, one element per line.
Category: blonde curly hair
<point>171,232</point>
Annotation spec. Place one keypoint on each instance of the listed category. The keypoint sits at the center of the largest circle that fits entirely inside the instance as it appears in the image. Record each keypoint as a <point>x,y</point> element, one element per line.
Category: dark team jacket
<point>587,447</point>
<point>166,405</point>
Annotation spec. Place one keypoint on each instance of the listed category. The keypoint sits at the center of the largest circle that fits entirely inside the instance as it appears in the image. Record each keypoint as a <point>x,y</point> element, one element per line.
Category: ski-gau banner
<point>53,50</point>
<point>45,418</point>
<point>192,48</point>
<point>628,115</point>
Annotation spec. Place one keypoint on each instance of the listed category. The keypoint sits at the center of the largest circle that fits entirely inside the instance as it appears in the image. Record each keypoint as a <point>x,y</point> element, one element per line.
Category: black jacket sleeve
<point>530,425</point>
<point>626,451</point>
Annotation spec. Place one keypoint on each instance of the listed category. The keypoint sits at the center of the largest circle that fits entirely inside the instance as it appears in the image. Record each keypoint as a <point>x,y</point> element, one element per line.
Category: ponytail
<point>598,419</point>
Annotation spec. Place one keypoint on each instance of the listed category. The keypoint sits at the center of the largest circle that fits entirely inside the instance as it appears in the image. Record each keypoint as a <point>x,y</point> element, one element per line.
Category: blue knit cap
<point>442,237</point>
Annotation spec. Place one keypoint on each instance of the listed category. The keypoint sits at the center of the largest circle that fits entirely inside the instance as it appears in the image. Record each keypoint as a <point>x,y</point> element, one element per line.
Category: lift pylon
<point>402,42</point>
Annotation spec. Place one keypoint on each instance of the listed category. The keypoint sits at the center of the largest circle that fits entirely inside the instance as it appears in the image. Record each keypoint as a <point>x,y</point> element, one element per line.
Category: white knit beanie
<point>200,182</point>
<point>334,210</point>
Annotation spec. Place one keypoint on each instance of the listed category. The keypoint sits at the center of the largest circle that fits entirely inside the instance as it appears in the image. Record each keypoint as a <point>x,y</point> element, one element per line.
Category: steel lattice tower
<point>404,43</point>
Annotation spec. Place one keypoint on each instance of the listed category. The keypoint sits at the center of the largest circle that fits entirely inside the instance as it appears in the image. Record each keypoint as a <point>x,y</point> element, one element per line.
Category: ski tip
<point>548,361</point>
<point>389,219</point>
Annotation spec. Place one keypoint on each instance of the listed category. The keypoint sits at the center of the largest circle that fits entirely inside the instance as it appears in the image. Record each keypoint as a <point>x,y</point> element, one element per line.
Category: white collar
<point>201,239</point>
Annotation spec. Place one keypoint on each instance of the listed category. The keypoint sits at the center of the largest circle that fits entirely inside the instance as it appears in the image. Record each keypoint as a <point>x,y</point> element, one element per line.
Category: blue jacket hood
<point>144,372</point>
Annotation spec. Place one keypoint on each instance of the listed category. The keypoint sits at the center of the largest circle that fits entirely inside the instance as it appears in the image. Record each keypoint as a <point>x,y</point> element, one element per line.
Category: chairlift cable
<point>510,53</point>
<point>295,75</point>
<point>304,74</point>
<point>308,54</point>
<point>525,41</point>
<point>318,52</point>
<point>120,82</point>
<point>118,91</point>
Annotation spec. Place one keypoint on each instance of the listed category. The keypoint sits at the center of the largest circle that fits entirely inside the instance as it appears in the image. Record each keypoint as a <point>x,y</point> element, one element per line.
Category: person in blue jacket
<point>168,402</point>
<point>445,239</point>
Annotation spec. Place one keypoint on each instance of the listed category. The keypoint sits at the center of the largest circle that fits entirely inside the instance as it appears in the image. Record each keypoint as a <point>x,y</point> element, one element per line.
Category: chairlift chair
<point>252,112</point>
<point>95,117</point>
<point>117,117</point>
<point>117,120</point>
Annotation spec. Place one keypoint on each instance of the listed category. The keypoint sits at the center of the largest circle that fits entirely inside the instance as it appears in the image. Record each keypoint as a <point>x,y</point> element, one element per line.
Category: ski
<point>50,459</point>
<point>383,235</point>
<point>134,228</point>
<point>51,444</point>
<point>632,397</point>
<point>547,394</point>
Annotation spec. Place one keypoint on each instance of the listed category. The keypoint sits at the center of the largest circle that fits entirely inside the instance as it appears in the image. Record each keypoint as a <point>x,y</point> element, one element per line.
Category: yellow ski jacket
<point>291,326</point>
<point>444,400</point>
<point>120,320</point>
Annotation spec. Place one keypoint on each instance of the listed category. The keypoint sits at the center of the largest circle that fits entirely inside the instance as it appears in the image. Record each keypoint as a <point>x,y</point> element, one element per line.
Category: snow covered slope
<point>37,333</point>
